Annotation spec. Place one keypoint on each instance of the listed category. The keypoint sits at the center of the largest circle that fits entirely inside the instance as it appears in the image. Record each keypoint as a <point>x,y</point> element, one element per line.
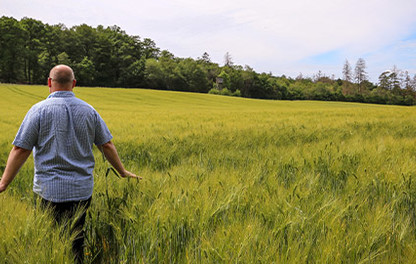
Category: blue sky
<point>282,37</point>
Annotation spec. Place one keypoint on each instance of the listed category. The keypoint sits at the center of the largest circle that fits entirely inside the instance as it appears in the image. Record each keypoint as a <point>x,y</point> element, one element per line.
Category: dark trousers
<point>64,214</point>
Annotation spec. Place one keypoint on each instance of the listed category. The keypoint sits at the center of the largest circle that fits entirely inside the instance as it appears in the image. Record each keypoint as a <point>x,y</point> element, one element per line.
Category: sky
<point>282,37</point>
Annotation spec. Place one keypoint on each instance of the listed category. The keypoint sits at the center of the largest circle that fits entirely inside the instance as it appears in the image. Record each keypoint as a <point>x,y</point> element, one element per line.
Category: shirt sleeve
<point>27,135</point>
<point>102,133</point>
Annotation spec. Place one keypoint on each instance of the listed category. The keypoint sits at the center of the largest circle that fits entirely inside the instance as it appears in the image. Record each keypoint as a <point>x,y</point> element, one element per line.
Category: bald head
<point>61,77</point>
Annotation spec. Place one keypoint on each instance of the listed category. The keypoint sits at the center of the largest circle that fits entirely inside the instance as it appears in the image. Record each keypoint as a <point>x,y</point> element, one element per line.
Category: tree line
<point>109,57</point>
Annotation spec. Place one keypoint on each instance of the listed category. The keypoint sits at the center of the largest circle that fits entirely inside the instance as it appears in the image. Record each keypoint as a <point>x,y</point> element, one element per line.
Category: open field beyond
<point>229,180</point>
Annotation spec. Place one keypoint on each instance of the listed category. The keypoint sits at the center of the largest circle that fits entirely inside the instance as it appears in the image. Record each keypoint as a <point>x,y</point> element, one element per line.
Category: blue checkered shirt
<point>61,130</point>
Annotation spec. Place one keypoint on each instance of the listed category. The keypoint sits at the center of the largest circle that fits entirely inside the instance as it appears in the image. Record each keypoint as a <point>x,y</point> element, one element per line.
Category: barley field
<point>228,180</point>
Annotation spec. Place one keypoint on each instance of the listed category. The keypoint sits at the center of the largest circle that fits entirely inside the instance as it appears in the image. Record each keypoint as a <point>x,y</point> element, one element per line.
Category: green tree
<point>236,77</point>
<point>212,70</point>
<point>52,47</point>
<point>85,71</point>
<point>149,49</point>
<point>63,58</point>
<point>133,75</point>
<point>192,76</point>
<point>225,78</point>
<point>12,48</point>
<point>154,74</point>
<point>34,39</point>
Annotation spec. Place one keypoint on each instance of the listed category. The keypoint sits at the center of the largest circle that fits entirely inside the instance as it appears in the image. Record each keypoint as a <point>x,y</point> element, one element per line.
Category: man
<point>61,130</point>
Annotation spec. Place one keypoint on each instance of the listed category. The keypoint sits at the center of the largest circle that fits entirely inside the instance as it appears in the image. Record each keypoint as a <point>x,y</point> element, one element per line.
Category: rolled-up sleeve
<point>102,133</point>
<point>28,133</point>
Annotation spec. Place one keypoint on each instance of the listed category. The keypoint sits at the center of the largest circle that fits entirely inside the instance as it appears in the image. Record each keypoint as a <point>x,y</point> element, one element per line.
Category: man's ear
<point>50,84</point>
<point>74,82</point>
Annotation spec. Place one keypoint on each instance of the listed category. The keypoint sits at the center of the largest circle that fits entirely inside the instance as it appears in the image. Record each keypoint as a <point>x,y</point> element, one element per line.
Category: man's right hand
<point>15,161</point>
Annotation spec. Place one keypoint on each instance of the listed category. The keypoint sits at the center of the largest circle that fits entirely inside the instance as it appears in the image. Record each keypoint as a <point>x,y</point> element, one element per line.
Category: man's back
<point>62,129</point>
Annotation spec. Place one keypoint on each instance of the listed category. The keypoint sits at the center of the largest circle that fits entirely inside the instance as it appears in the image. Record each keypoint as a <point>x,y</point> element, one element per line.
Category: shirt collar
<point>61,94</point>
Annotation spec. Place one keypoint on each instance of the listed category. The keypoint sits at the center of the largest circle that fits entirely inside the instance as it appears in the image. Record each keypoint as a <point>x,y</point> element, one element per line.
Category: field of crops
<point>229,180</point>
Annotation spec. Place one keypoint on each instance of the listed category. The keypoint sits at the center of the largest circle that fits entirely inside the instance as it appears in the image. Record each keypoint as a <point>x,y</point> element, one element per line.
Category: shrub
<point>237,93</point>
<point>225,91</point>
<point>214,91</point>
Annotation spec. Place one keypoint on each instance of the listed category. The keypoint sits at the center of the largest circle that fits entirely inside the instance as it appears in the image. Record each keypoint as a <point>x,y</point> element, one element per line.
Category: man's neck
<point>52,90</point>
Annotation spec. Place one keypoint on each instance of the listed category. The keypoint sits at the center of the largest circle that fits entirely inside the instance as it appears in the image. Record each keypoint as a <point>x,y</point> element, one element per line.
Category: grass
<point>234,180</point>
<point>28,235</point>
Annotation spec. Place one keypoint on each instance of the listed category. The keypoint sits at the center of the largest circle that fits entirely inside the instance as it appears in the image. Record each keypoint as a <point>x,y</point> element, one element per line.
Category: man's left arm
<point>110,153</point>
<point>17,158</point>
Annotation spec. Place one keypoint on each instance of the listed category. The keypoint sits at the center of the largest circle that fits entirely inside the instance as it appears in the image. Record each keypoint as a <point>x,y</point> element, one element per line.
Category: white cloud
<point>290,31</point>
